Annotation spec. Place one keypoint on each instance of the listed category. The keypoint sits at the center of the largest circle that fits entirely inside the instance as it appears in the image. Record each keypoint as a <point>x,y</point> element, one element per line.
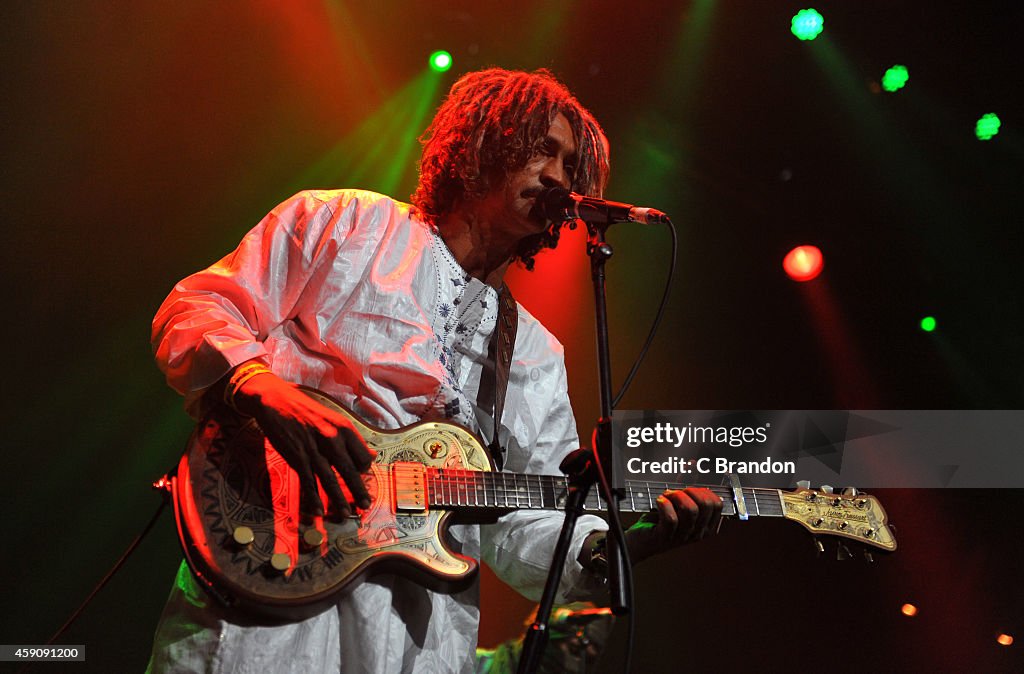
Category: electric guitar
<point>236,505</point>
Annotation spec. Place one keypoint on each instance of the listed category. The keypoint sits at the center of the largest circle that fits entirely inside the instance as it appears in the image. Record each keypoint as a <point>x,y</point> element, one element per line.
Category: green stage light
<point>987,126</point>
<point>807,24</point>
<point>928,323</point>
<point>895,78</point>
<point>440,61</point>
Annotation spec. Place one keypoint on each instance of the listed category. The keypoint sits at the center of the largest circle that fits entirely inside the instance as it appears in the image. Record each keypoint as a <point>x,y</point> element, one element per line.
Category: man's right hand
<point>311,438</point>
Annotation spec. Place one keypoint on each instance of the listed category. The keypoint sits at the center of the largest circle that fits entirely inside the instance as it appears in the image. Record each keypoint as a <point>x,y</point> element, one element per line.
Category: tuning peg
<point>818,546</point>
<point>827,488</point>
<point>842,552</point>
<point>803,484</point>
<point>869,557</point>
<point>850,491</point>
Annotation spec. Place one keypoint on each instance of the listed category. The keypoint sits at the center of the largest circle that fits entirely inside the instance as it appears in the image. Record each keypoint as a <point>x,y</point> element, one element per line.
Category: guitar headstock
<point>850,515</point>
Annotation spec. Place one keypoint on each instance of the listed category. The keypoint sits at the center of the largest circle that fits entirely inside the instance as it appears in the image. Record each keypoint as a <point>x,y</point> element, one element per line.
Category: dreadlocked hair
<point>489,126</point>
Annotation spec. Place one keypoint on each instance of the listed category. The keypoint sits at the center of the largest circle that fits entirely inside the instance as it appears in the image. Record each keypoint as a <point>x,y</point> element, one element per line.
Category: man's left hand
<point>682,516</point>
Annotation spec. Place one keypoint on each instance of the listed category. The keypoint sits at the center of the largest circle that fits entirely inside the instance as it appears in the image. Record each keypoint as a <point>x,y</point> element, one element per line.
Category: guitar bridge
<point>409,482</point>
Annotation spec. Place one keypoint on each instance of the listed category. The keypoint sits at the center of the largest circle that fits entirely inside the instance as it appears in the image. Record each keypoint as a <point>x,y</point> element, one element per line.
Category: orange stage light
<point>803,263</point>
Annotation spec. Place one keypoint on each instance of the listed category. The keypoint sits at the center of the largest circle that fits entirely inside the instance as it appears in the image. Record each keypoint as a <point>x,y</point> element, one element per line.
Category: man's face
<point>510,202</point>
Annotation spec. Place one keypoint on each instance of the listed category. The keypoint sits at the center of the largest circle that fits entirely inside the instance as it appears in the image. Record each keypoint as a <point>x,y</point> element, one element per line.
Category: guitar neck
<point>467,490</point>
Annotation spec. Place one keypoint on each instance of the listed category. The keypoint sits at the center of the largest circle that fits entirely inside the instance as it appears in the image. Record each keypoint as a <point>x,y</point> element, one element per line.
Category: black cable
<point>657,317</point>
<point>110,574</point>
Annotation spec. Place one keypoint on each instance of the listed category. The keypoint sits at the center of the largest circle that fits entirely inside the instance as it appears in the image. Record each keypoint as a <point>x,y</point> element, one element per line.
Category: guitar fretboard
<point>458,489</point>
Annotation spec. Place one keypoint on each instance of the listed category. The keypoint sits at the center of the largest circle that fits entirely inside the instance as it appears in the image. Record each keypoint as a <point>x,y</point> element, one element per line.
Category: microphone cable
<point>657,318</point>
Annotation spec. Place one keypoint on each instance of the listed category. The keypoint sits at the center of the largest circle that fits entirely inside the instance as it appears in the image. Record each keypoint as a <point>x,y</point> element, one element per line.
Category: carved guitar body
<point>231,485</point>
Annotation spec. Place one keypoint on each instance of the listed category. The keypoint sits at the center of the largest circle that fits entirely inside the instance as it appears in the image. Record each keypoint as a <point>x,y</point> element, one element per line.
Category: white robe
<point>347,292</point>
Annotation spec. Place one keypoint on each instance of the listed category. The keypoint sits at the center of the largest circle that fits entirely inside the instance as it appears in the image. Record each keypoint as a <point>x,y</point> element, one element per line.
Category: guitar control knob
<point>243,535</point>
<point>436,449</point>
<point>312,538</point>
<point>827,488</point>
<point>850,491</point>
<point>280,561</point>
<point>803,484</point>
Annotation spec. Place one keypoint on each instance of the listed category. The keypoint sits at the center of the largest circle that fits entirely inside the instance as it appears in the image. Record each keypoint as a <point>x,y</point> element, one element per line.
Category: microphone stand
<point>584,467</point>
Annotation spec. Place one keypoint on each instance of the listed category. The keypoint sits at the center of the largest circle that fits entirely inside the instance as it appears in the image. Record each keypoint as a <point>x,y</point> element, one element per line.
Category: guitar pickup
<point>409,485</point>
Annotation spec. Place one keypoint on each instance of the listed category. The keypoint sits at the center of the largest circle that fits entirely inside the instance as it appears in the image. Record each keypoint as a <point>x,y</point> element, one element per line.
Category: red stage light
<point>909,610</point>
<point>803,263</point>
<point>1004,639</point>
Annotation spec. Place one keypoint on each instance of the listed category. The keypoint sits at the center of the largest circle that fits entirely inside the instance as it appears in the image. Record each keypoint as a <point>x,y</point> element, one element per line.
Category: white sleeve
<point>520,546</point>
<point>218,318</point>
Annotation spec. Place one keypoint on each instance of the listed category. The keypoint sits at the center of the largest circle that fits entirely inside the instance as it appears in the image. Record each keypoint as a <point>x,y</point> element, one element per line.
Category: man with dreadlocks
<point>390,308</point>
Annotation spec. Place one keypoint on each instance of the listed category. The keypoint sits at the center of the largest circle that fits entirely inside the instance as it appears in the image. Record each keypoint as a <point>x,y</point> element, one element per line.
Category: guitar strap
<point>503,343</point>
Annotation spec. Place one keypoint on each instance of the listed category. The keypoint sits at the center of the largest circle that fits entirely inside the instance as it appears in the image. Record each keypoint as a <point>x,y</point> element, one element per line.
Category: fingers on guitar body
<point>340,452</point>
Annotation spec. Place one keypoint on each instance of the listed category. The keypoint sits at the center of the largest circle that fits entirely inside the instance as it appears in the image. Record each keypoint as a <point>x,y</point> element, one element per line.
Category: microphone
<point>558,203</point>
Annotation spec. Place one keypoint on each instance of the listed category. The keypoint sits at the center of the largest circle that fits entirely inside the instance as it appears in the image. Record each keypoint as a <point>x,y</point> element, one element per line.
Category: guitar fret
<point>644,505</point>
<point>550,499</point>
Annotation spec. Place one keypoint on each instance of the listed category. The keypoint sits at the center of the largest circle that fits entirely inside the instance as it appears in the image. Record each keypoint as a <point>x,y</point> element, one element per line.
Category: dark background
<point>141,140</point>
